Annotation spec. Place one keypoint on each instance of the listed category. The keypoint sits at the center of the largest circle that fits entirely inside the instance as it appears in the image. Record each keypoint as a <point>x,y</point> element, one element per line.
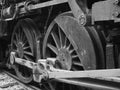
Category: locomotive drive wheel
<point>73,47</point>
<point>24,44</point>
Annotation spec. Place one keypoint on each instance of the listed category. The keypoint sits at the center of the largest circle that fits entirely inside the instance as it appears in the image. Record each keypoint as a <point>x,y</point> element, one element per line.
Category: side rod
<point>105,79</point>
<point>83,74</point>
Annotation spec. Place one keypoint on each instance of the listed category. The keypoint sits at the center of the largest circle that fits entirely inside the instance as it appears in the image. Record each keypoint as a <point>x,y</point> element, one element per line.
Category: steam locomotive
<point>81,34</point>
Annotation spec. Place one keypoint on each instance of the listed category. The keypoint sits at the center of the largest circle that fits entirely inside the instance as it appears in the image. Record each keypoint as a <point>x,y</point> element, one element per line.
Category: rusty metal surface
<point>80,39</point>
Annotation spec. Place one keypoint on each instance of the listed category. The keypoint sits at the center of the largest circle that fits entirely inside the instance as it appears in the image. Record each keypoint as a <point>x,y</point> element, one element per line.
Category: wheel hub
<point>64,59</point>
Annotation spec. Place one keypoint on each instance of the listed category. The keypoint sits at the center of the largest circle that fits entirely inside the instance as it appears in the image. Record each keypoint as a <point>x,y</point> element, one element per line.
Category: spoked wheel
<point>23,43</point>
<point>59,46</point>
<point>70,43</point>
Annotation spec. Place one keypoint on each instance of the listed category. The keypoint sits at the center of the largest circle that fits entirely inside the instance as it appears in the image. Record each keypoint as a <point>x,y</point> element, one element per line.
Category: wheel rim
<point>95,36</point>
<point>22,43</point>
<point>58,45</point>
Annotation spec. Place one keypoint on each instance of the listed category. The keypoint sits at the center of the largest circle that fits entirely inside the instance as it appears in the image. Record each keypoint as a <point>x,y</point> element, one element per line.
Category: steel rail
<point>18,80</point>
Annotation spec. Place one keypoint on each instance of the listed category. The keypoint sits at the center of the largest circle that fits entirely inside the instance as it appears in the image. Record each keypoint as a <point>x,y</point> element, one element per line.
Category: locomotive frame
<point>79,34</point>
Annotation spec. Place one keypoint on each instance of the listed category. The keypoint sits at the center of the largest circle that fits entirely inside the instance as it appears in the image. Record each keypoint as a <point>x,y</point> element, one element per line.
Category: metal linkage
<point>101,11</point>
<point>26,6</point>
<point>30,7</point>
<point>21,61</point>
<point>44,70</point>
<point>47,65</point>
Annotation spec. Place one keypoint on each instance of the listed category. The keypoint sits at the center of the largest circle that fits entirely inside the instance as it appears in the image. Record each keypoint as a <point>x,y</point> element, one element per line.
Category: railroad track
<point>8,81</point>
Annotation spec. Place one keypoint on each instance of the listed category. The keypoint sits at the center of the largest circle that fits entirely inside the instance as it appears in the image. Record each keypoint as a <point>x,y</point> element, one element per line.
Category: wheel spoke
<point>53,48</point>
<point>77,63</point>
<point>16,36</point>
<point>22,36</point>
<point>71,51</point>
<point>26,57</point>
<point>74,56</point>
<point>74,69</point>
<point>60,36</point>
<point>24,43</point>
<point>15,43</point>
<point>65,42</point>
<point>28,53</point>
<point>26,47</point>
<point>56,40</point>
<point>68,47</point>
